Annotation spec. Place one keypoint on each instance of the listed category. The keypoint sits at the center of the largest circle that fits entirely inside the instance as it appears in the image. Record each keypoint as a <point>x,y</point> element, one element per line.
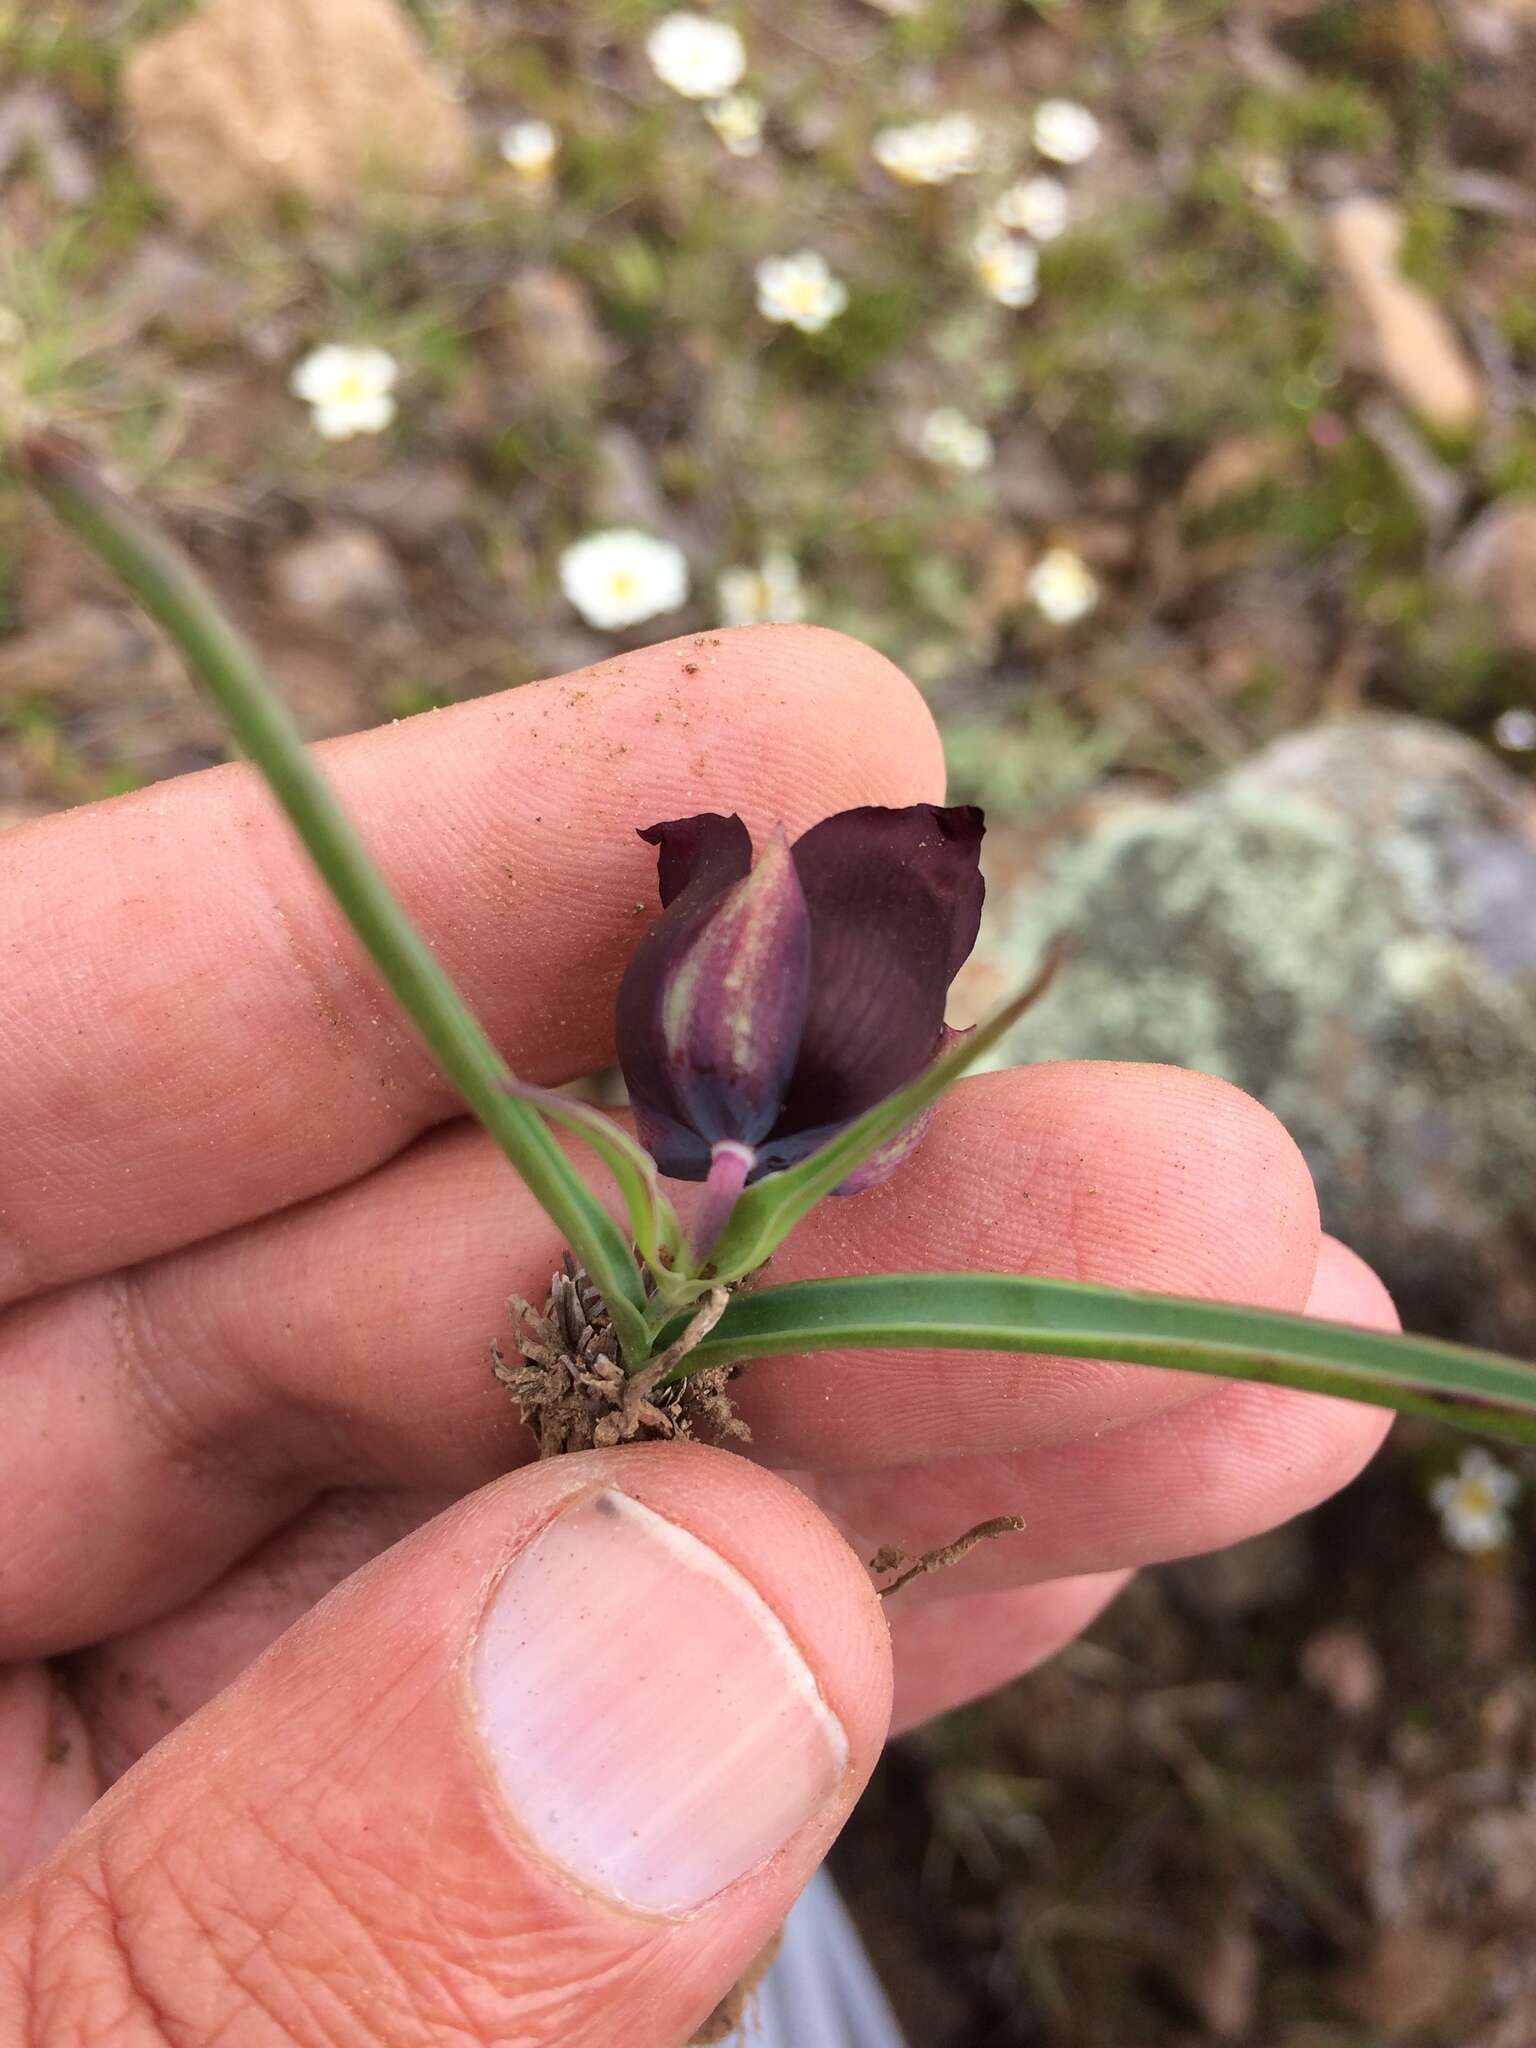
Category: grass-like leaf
<point>1477,1390</point>
<point>654,1222</point>
<point>171,591</point>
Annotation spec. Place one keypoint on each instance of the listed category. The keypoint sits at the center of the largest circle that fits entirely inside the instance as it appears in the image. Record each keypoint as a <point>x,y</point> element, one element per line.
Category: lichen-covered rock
<point>248,101</point>
<point>1345,927</point>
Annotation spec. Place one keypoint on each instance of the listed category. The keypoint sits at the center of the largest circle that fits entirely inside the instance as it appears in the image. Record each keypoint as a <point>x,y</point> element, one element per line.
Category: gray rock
<point>335,573</point>
<point>416,504</point>
<point>1345,926</point>
<point>1494,564</point>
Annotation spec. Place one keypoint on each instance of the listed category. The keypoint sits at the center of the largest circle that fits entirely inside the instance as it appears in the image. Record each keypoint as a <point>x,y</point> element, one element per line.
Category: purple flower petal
<point>707,849</point>
<point>677,1151</point>
<point>895,904</point>
<point>700,858</point>
<point>712,1005</point>
<point>789,1149</point>
<point>897,1151</point>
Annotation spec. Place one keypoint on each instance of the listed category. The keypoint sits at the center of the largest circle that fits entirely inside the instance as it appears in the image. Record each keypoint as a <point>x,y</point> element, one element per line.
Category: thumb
<point>551,1771</point>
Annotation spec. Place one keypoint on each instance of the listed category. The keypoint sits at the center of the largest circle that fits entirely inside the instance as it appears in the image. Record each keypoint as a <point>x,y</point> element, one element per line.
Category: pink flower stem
<point>729,1165</point>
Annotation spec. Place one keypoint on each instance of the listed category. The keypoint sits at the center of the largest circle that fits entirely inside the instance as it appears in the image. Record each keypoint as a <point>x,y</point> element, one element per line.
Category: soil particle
<point>737,2003</point>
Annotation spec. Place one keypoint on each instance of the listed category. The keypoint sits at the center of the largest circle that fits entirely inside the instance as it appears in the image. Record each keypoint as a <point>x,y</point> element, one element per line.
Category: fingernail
<point>653,1725</point>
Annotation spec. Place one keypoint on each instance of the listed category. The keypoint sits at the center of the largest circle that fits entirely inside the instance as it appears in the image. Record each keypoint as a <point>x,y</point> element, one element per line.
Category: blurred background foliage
<point>1193,404</point>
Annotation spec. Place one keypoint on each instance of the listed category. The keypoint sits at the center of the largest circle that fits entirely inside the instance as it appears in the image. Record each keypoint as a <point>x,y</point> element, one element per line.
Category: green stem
<point>168,587</point>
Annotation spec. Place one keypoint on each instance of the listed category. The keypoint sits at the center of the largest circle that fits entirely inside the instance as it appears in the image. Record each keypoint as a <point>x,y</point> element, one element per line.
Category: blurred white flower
<point>620,576</point>
<point>948,437</point>
<point>738,121</point>
<point>1008,267</point>
<point>530,148</point>
<point>1065,132</point>
<point>800,291</point>
<point>1516,730</point>
<point>351,389</point>
<point>1473,1502</point>
<point>1062,587</point>
<point>930,152</point>
<point>1266,178</point>
<point>700,58</point>
<point>11,329</point>
<point>770,594</point>
<point>1035,206</point>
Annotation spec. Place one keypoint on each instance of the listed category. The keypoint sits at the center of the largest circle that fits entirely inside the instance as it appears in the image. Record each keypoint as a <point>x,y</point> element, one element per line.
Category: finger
<point>47,1769</point>
<point>552,1771</point>
<point>191,1036</point>
<point>1213,1471</point>
<point>956,1649</point>
<point>1346,1290</point>
<point>954,1646</point>
<point>1125,1176</point>
<point>345,1343</point>
<point>68,1730</point>
<point>132,1691</point>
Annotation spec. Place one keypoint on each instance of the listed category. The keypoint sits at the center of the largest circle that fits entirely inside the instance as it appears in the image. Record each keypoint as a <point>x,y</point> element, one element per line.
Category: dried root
<point>573,1392</point>
<point>890,1558</point>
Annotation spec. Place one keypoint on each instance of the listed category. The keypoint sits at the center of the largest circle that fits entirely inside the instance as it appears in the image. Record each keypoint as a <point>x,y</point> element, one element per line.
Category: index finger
<point>189,1035</point>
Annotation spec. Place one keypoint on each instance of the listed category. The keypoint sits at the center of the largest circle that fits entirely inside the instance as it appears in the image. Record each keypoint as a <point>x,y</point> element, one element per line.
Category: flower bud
<point>771,1005</point>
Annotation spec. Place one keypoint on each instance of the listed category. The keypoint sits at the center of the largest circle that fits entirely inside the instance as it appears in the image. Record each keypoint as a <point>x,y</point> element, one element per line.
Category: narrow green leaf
<point>165,583</point>
<point>1007,1312</point>
<point>654,1222</point>
<point>769,1210</point>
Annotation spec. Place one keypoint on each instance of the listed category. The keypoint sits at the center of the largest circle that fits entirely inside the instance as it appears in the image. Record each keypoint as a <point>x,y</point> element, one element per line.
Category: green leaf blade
<point>165,583</point>
<point>1479,1390</point>
<point>652,1218</point>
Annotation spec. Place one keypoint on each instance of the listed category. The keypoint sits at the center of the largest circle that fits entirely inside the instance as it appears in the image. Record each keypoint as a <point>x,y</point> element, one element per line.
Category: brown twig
<point>891,1558</point>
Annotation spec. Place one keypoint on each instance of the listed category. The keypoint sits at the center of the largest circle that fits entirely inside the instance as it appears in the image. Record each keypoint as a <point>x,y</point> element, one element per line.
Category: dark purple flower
<point>772,1004</point>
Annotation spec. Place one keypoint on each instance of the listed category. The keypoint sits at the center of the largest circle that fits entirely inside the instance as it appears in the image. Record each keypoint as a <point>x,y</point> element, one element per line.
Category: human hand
<point>253,1261</point>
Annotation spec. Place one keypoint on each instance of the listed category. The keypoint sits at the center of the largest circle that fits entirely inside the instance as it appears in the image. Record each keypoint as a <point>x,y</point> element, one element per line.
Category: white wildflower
<point>351,389</point>
<point>948,437</point>
<point>1516,730</point>
<point>770,594</point>
<point>1266,178</point>
<point>1008,267</point>
<point>930,152</point>
<point>1065,132</point>
<point>620,576</point>
<point>700,58</point>
<point>1038,207</point>
<point>1473,1502</point>
<point>1062,587</point>
<point>530,148</point>
<point>738,121</point>
<point>800,291</point>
